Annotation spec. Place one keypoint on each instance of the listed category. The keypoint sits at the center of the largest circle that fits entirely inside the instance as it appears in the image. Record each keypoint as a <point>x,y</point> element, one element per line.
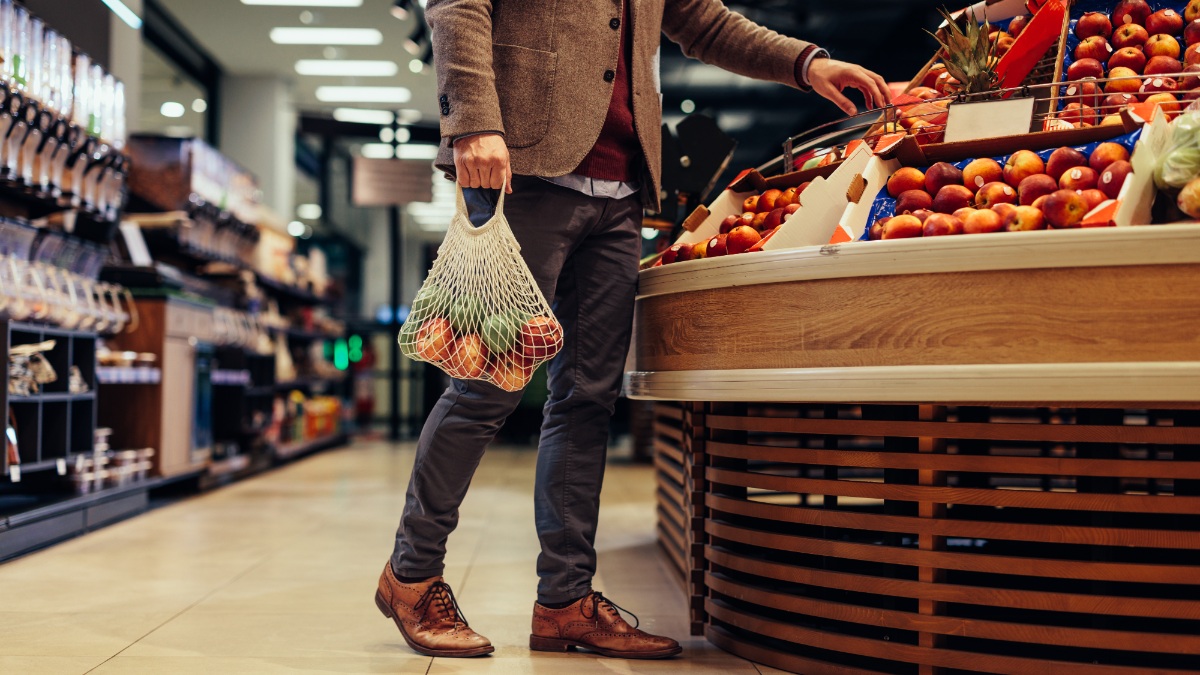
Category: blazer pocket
<point>525,84</point>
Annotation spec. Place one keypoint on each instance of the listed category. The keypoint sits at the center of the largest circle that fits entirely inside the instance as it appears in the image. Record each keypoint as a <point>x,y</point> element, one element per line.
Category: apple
<point>1169,104</point>
<point>1164,21</point>
<point>1078,114</point>
<point>1022,164</point>
<point>941,224</point>
<point>962,213</point>
<point>1064,209</point>
<point>790,209</point>
<point>913,200</point>
<point>686,252</point>
<point>1115,102</point>
<point>876,231</point>
<point>434,340</point>
<point>509,374</point>
<point>1085,68</point>
<point>1004,44</point>
<point>1162,65</point>
<point>1129,57</point>
<point>1129,35</point>
<point>700,250</point>
<point>750,205</point>
<point>766,202</point>
<point>1188,97</point>
<point>1111,120</point>
<point>1105,154</point>
<point>940,175</point>
<point>1094,198</point>
<point>922,214</point>
<point>1161,45</point>
<point>1154,85</point>
<point>1087,92</point>
<point>468,358</point>
<point>1191,32</point>
<point>774,219</point>
<point>905,179</point>
<point>716,246</point>
<point>741,239</point>
<point>1079,178</point>
<point>1024,218</point>
<point>1191,56</point>
<point>1037,185</point>
<point>995,193</point>
<point>1131,12</point>
<point>728,224</point>
<point>952,198</point>
<point>1113,177</point>
<point>541,338</point>
<point>1192,80</point>
<point>931,76</point>
<point>1188,200</point>
<point>981,172</point>
<point>1192,11</point>
<point>926,132</point>
<point>672,254</point>
<point>983,222</point>
<point>1003,208</point>
<point>947,84</point>
<point>1040,202</point>
<point>902,227</point>
<point>1122,80</point>
<point>1093,24</point>
<point>759,221</point>
<point>924,93</point>
<point>1018,24</point>
<point>1095,47</point>
<point>1062,159</point>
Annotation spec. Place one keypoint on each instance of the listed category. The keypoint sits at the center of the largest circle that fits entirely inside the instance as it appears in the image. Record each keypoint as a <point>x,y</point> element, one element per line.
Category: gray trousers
<point>584,253</point>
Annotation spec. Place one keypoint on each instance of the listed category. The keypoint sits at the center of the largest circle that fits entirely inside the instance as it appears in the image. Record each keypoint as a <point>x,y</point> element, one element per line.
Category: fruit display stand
<point>973,453</point>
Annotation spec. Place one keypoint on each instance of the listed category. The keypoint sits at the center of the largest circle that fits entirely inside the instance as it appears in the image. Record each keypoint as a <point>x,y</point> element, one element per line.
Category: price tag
<point>14,472</point>
<point>61,465</point>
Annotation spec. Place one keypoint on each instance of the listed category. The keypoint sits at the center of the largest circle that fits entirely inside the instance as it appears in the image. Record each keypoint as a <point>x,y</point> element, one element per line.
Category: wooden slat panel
<point>673,512</point>
<point>974,529</point>
<point>946,658</point>
<point>778,659</point>
<point>668,449</point>
<point>1079,603</point>
<point>946,625</point>
<point>668,431</point>
<point>1031,499</point>
<point>673,553</point>
<point>1042,466</point>
<point>968,562</point>
<point>1012,431</point>
<point>671,411</point>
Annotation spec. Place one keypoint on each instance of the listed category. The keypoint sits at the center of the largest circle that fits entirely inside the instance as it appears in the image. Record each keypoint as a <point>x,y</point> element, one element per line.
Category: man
<point>557,103</point>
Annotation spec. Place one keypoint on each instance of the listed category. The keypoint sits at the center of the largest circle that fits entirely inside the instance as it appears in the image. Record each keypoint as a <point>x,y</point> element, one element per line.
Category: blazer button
<point>609,76</point>
<point>614,24</point>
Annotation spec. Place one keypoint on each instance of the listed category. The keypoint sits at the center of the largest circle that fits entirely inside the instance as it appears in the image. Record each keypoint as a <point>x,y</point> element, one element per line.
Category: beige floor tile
<point>192,665</point>
<point>49,665</point>
<point>73,634</point>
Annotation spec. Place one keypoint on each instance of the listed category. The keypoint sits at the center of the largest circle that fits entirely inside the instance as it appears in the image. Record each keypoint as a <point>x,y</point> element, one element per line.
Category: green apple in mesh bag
<point>467,314</point>
<point>431,301</point>
<point>500,330</point>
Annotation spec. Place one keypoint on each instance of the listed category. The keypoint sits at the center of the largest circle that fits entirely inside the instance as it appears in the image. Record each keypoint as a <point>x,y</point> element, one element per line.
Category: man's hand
<point>828,78</point>
<point>481,161</point>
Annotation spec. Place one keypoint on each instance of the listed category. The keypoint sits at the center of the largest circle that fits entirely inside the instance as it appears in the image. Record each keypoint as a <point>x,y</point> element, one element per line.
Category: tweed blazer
<point>540,71</point>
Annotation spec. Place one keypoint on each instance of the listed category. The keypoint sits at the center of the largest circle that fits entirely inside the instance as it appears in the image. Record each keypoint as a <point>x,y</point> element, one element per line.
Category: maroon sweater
<point>618,151</point>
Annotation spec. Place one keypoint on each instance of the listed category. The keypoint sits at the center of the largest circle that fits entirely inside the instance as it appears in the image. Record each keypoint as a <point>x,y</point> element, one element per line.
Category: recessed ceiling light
<point>421,151</point>
<point>124,13</point>
<point>306,35</point>
<point>309,211</point>
<point>295,228</point>
<point>360,116</point>
<point>403,135</point>
<point>330,94</point>
<point>327,68</point>
<point>416,65</point>
<point>199,105</point>
<point>377,151</point>
<point>387,135</point>
<point>305,3</point>
<point>408,115</point>
<point>172,109</point>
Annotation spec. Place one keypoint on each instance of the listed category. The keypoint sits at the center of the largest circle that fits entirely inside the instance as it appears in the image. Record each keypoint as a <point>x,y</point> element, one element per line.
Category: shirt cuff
<point>804,61</point>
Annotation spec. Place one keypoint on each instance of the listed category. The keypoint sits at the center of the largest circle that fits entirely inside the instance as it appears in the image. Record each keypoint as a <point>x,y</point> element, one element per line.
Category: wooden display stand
<point>978,453</point>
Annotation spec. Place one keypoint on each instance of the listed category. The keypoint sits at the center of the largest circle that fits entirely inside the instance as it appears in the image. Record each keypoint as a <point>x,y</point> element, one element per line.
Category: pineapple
<point>970,56</point>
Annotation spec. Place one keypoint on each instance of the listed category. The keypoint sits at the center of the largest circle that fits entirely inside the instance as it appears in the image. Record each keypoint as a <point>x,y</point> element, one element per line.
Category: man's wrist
<point>459,137</point>
<point>804,62</point>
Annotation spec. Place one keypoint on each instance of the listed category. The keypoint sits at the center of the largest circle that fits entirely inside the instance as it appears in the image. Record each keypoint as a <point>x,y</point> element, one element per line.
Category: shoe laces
<point>599,600</point>
<point>440,596</point>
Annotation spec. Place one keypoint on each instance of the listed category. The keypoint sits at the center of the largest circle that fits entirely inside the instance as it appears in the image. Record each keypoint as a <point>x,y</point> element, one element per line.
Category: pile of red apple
<point>1025,193</point>
<point>761,216</point>
<point>1140,50</point>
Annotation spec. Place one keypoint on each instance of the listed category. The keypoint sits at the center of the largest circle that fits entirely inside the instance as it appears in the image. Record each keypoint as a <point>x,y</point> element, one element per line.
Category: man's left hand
<point>829,77</point>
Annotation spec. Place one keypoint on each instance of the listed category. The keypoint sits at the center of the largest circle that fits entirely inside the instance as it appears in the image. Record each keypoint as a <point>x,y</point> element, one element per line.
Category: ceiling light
<point>306,17</point>
<point>199,105</point>
<point>305,3</point>
<point>124,13</point>
<point>326,36</point>
<point>688,106</point>
<point>416,65</point>
<point>408,116</point>
<point>649,233</point>
<point>377,151</point>
<point>360,116</point>
<point>325,68</point>
<point>309,211</point>
<point>172,109</point>
<point>413,44</point>
<point>416,152</point>
<point>364,94</point>
<point>295,228</point>
<point>387,135</point>
<point>403,135</point>
<point>400,9</point>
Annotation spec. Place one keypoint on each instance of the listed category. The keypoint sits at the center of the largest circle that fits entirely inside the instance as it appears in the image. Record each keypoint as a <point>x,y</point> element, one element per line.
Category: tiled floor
<point>276,575</point>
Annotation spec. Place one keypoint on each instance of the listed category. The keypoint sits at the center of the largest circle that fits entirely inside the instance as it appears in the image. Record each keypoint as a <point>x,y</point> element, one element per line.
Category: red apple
<point>922,214</point>
<point>541,337</point>
<point>790,209</point>
<point>1079,178</point>
<point>1191,57</point>
<point>913,200</point>
<point>1162,65</point>
<point>1191,32</point>
<point>1123,80</point>
<point>751,204</point>
<point>1164,21</point>
<point>1023,219</point>
<point>766,202</point>
<point>700,250</point>
<point>952,198</point>
<point>716,246</point>
<point>790,196</point>
<point>671,254</point>
<point>1018,24</point>
<point>728,224</point>
<point>940,175</point>
<point>1087,92</point>
<point>1040,201</point>
<point>875,233</point>
<point>902,227</point>
<point>1065,209</point>
<point>1093,24</point>
<point>925,93</point>
<point>686,252</point>
<point>1094,198</point>
<point>1115,102</point>
<point>1105,154</point>
<point>995,193</point>
<point>1154,85</point>
<point>509,374</point>
<point>1113,177</point>
<point>983,221</point>
<point>1129,57</point>
<point>773,220</point>
<point>931,76</point>
<point>1192,80</point>
<point>1095,47</point>
<point>962,213</point>
<point>434,340</point>
<point>905,179</point>
<point>1037,185</point>
<point>1078,114</point>
<point>1129,35</point>
<point>468,358</point>
<point>1022,164</point>
<point>1191,11</point>
<point>1085,68</point>
<point>1062,159</point>
<point>981,172</point>
<point>741,239</point>
<point>1161,45</point>
<point>1131,12</point>
<point>941,224</point>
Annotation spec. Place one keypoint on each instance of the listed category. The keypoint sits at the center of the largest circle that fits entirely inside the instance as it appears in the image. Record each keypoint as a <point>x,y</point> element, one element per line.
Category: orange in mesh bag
<point>480,315</point>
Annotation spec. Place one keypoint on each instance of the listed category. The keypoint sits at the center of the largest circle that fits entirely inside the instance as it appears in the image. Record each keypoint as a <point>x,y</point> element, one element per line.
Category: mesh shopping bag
<point>480,315</point>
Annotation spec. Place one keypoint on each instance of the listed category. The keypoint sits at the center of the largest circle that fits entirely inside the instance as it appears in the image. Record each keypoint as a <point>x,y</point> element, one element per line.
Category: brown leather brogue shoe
<point>428,617</point>
<point>594,623</point>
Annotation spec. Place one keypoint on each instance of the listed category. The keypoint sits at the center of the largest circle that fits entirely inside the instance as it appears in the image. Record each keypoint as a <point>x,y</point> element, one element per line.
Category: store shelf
<point>231,378</point>
<point>265,390</point>
<point>292,292</point>
<point>229,465</point>
<point>53,397</point>
<point>307,383</point>
<point>290,450</point>
<point>128,375</point>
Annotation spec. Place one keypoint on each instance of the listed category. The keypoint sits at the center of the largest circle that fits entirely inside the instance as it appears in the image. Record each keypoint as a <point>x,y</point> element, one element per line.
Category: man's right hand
<point>481,161</point>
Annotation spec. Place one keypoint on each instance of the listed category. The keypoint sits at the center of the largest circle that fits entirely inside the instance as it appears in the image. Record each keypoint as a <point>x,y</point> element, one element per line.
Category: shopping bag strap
<point>465,217</point>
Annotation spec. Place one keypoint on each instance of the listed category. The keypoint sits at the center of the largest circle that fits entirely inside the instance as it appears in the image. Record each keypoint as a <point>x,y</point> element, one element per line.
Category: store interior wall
<point>258,130</point>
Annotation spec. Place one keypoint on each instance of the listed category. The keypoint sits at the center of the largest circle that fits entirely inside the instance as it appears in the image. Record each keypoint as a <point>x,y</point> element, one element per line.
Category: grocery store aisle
<point>277,574</point>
